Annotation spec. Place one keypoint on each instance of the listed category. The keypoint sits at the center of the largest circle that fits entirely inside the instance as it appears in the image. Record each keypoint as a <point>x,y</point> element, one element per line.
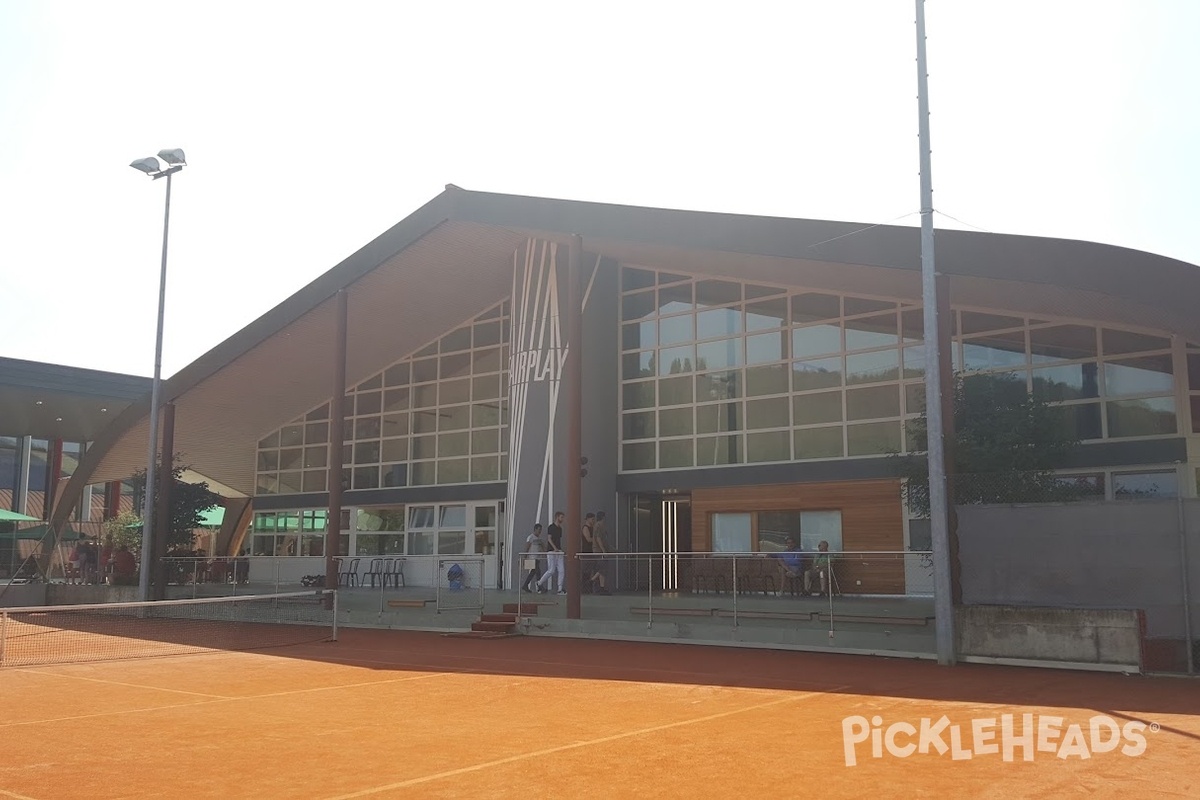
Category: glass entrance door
<point>660,524</point>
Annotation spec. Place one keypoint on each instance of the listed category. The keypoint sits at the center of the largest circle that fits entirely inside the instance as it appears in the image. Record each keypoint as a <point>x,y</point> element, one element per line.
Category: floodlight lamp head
<point>173,157</point>
<point>149,165</point>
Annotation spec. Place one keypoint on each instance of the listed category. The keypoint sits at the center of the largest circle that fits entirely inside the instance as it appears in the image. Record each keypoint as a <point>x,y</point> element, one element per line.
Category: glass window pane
<point>424,422</point>
<point>766,347</point>
<point>485,441</point>
<point>1067,381</point>
<point>633,278</point>
<point>719,417</point>
<point>673,391</point>
<point>636,335</point>
<point>486,468</point>
<point>366,477</point>
<point>914,398</point>
<point>424,447</point>
<point>673,330</point>
<point>636,306</point>
<point>459,339</point>
<point>869,332</point>
<point>487,334</point>
<point>1146,484</point>
<point>396,375</point>
<point>1154,416</point>
<point>914,362</point>
<point>718,450</point>
<point>1136,376</point>
<point>318,413</point>
<point>766,314</point>
<point>425,396</point>
<point>775,446</point>
<point>719,354</point>
<point>268,460</point>
<point>455,391</point>
<point>395,450</point>
<point>875,402</point>
<point>456,470</point>
<point>454,366</point>
<point>813,409</point>
<point>367,403</point>
<point>639,425</point>
<point>453,444</point>
<point>994,352</point>
<point>821,373</point>
<point>676,360</point>
<point>1195,406</point>
<point>731,533</point>
<point>718,322</point>
<point>291,436</point>
<point>675,299</point>
<point>314,480</point>
<point>395,400</point>
<point>425,370</point>
<point>771,379</point>
<point>1126,342</point>
<point>484,415</point>
<point>454,418</point>
<point>716,293</point>
<point>882,365</point>
<point>863,305</point>
<point>316,433</point>
<point>772,413</point>
<point>637,365</point>
<point>292,458</point>
<point>1081,421</point>
<point>818,442</point>
<point>754,291</point>
<point>488,360</point>
<point>816,340</point>
<point>675,422</point>
<point>814,307</point>
<point>453,517</point>
<point>1193,367</point>
<point>637,456</point>
<point>1062,343</point>
<point>912,326</point>
<point>486,387</point>
<point>270,441</point>
<point>676,453</point>
<point>976,322</point>
<point>366,453</point>
<point>637,395</point>
<point>719,385</point>
<point>873,438</point>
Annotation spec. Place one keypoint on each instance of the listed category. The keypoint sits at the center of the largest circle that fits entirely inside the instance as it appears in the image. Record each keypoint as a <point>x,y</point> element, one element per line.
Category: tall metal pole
<point>1187,591</point>
<point>939,522</point>
<point>152,456</point>
<point>337,421</point>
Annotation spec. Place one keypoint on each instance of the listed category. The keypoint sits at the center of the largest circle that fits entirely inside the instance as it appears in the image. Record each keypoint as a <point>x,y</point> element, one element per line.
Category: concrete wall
<point>1080,636</point>
<point>23,594</point>
<point>1116,555</point>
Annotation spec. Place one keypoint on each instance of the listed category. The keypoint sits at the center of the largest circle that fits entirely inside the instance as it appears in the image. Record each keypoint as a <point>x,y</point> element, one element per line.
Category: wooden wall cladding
<point>872,519</point>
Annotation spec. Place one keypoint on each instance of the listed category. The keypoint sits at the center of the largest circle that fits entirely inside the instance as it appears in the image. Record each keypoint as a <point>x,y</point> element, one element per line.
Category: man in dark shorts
<point>555,559</point>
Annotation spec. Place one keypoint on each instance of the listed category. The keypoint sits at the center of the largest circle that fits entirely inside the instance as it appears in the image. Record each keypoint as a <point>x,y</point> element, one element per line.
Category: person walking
<point>535,545</point>
<point>599,533</point>
<point>555,558</point>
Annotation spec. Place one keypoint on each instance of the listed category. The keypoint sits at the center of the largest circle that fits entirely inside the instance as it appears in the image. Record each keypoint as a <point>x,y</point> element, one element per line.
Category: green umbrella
<point>39,532</point>
<point>12,516</point>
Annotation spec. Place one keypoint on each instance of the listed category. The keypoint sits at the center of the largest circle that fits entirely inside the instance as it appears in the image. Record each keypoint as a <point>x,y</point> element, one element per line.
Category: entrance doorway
<point>659,524</point>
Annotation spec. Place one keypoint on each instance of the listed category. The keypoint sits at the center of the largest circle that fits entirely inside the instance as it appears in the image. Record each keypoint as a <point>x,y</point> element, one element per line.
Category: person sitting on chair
<point>793,560</point>
<point>818,568</point>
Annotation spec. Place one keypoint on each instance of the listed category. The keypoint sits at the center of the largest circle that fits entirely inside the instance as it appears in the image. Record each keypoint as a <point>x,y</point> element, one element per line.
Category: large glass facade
<point>439,416</point>
<point>717,372</point>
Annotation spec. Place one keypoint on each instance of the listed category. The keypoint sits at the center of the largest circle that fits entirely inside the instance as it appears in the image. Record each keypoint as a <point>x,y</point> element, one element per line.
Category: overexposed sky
<point>310,128</point>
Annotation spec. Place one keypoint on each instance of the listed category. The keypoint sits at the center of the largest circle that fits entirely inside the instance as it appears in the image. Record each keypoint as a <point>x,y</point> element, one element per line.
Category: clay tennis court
<point>408,714</point>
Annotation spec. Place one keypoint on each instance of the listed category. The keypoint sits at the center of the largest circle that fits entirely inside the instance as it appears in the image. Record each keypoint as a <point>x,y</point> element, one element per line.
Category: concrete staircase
<point>498,626</point>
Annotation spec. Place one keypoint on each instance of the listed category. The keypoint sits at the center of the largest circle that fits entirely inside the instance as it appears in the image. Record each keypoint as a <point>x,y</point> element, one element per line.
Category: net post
<point>335,613</point>
<point>3,634</point>
<point>735,592</point>
<point>650,592</point>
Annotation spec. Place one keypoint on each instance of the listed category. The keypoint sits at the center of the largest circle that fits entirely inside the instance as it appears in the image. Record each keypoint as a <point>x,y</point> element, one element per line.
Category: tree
<point>188,502</point>
<point>1007,445</point>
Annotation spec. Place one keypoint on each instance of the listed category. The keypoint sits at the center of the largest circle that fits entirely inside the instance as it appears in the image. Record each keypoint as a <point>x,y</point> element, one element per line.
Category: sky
<point>310,128</point>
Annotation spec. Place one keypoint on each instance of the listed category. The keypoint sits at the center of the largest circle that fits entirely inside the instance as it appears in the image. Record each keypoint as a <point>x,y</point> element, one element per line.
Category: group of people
<point>812,569</point>
<point>547,550</point>
<point>87,559</point>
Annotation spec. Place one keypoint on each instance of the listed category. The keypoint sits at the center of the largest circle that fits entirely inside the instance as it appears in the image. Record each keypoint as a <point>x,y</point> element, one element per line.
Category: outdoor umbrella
<point>12,516</point>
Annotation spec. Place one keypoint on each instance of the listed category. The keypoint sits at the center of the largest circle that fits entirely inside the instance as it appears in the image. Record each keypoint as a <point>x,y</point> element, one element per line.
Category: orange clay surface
<point>402,714</point>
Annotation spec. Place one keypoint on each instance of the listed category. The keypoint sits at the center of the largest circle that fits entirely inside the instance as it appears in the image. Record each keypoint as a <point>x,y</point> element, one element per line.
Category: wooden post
<point>337,416</point>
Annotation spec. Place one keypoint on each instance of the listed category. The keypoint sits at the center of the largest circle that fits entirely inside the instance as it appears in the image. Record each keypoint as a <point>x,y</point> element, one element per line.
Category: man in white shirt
<point>535,545</point>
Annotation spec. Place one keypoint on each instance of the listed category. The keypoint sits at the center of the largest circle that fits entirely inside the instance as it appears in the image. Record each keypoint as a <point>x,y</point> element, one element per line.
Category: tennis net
<point>41,635</point>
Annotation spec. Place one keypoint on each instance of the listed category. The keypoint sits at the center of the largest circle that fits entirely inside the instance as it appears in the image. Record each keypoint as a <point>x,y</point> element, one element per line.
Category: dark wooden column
<point>337,417</point>
<point>162,506</point>
<point>573,378</point>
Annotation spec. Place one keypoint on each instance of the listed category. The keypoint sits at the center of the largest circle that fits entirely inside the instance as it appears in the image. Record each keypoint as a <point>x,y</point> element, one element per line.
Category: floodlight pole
<point>939,511</point>
<point>152,457</point>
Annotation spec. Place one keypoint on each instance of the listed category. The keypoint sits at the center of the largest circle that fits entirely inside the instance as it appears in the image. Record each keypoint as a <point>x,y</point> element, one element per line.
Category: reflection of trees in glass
<point>1007,445</point>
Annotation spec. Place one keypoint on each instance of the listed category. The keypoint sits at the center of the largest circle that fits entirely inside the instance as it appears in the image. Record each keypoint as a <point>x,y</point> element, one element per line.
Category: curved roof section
<point>453,257</point>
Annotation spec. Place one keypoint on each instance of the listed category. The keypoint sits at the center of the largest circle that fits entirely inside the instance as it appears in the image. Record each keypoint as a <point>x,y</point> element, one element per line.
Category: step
<point>525,609</point>
<point>824,617</point>
<point>407,603</point>
<point>674,612</point>
<point>510,619</point>
<point>494,627</point>
<point>479,635</point>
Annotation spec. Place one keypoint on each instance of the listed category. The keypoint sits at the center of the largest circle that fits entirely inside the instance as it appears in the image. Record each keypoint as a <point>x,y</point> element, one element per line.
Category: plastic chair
<point>348,572</point>
<point>375,569</point>
<point>395,574</point>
